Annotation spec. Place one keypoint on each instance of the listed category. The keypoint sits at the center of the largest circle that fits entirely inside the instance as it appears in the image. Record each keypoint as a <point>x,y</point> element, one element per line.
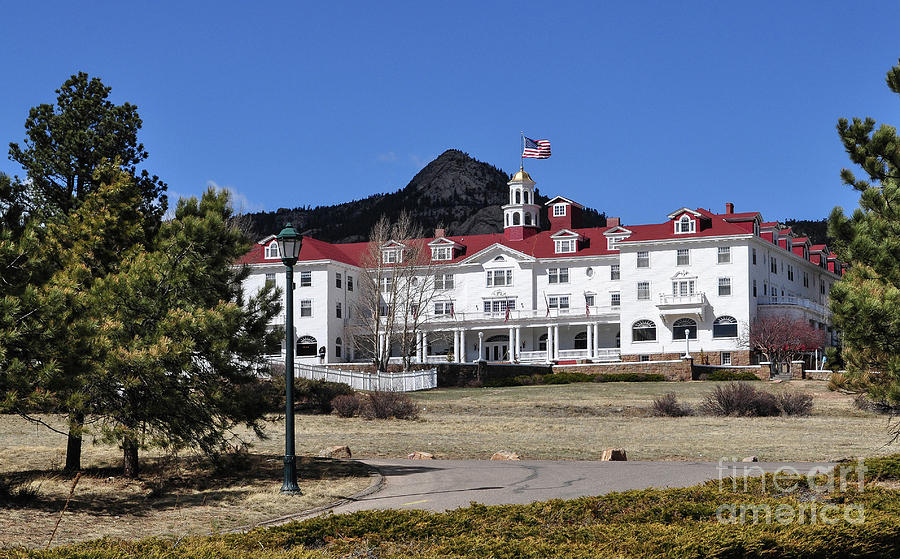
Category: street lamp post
<point>687,343</point>
<point>289,242</point>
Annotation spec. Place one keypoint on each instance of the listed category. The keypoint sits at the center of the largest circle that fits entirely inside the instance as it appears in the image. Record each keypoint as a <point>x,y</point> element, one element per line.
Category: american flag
<point>506,319</point>
<point>537,149</point>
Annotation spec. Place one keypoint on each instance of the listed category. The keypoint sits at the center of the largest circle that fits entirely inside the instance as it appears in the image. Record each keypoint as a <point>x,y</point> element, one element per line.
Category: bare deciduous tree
<point>781,338</point>
<point>396,291</point>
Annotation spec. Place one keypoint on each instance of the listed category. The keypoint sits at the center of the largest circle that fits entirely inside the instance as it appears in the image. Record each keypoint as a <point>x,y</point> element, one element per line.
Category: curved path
<point>447,484</point>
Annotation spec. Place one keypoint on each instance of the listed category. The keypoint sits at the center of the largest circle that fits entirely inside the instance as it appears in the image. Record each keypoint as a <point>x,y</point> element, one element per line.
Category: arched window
<point>684,327</point>
<point>507,220</point>
<point>527,218</point>
<point>272,250</point>
<point>306,346</point>
<point>685,225</point>
<point>518,196</point>
<point>516,219</point>
<point>498,338</point>
<point>542,343</point>
<point>725,327</point>
<point>581,340</point>
<point>337,346</point>
<point>643,331</point>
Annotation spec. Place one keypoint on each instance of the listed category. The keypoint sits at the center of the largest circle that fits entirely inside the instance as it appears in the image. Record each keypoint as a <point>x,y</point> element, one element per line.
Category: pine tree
<point>866,302</point>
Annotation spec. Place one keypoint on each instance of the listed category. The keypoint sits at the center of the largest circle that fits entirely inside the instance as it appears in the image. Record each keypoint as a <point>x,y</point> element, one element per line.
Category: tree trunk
<point>73,445</point>
<point>130,462</point>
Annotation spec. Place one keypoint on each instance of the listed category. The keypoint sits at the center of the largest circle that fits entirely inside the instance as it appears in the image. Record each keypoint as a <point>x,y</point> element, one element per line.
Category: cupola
<point>521,216</point>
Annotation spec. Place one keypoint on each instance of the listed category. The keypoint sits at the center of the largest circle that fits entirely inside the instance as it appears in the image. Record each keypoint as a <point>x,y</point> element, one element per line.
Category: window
<point>773,265</point>
<point>442,253</point>
<point>306,307</point>
<point>805,279</point>
<point>516,219</point>
<point>306,346</point>
<point>560,302</point>
<point>581,340</point>
<point>614,272</point>
<point>754,288</point>
<point>564,246</point>
<point>559,210</point>
<point>753,255</point>
<point>337,310</point>
<point>542,343</point>
<point>725,358</point>
<point>615,300</point>
<point>765,288</point>
<point>337,280</point>
<point>527,218</point>
<point>497,278</point>
<point>272,250</point>
<point>683,288</point>
<point>724,255</point>
<point>443,281</point>
<point>443,308</point>
<point>387,284</point>
<point>305,279</point>
<point>643,331</point>
<point>338,343</point>
<point>497,306</point>
<point>685,225</point>
<point>683,257</point>
<point>392,256</point>
<point>644,358</point>
<point>643,259</point>
<point>270,280</point>
<point>822,288</point>
<point>589,300</point>
<point>684,328</point>
<point>558,275</point>
<point>725,327</point>
<point>612,243</point>
<point>755,228</point>
<point>790,272</point>
<point>724,287</point>
<point>349,283</point>
<point>643,290</point>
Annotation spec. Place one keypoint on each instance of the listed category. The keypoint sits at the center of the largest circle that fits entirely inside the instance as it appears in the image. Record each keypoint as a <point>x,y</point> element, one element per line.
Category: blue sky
<point>650,106</point>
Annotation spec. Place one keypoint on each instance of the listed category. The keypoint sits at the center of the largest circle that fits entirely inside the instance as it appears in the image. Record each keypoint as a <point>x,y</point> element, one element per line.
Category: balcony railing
<point>601,354</point>
<point>793,301</point>
<point>533,356</point>
<point>527,314</point>
<point>698,298</point>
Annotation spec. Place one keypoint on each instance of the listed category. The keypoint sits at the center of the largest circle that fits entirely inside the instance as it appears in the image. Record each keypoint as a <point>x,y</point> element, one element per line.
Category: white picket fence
<point>395,382</point>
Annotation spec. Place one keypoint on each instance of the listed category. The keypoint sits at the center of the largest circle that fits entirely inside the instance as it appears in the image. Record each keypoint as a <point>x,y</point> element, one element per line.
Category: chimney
<point>438,233</point>
<point>729,208</point>
<point>612,221</point>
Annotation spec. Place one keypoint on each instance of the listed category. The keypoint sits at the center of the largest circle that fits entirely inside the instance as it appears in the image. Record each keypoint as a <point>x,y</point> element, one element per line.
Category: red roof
<point>540,245</point>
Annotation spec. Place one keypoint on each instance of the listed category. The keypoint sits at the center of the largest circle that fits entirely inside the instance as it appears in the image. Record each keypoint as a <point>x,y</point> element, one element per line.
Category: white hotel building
<point>621,292</point>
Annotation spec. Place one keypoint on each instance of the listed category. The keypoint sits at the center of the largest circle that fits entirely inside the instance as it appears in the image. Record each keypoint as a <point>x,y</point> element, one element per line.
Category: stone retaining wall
<point>672,369</point>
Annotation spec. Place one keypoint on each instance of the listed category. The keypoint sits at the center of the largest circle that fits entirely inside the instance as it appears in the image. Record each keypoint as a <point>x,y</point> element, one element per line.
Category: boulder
<point>613,455</point>
<point>420,455</point>
<point>335,452</point>
<point>750,459</point>
<point>505,455</point>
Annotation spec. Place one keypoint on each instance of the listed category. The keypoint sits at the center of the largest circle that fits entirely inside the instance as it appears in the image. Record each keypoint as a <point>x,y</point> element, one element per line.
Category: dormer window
<point>442,253</point>
<point>391,256</point>
<point>272,250</point>
<point>559,210</point>
<point>685,225</point>
<point>564,246</point>
<point>755,228</point>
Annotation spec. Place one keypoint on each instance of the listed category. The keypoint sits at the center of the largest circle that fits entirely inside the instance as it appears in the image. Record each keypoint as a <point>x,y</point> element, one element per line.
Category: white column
<point>480,346</point>
<point>590,340</point>
<point>456,346</point>
<point>549,343</point>
<point>462,346</point>
<point>424,346</point>
<point>512,343</point>
<point>596,327</point>
<point>518,341</point>
<point>556,342</point>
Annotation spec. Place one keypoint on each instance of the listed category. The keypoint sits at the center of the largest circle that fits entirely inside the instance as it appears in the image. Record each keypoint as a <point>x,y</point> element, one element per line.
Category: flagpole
<point>522,152</point>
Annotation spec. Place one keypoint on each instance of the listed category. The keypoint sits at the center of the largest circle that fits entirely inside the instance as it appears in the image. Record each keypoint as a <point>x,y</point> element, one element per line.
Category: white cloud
<point>388,157</point>
<point>416,160</point>
<point>239,202</point>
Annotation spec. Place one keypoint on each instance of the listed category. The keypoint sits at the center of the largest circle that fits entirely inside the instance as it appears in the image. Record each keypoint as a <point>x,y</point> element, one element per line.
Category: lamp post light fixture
<point>687,343</point>
<point>289,242</point>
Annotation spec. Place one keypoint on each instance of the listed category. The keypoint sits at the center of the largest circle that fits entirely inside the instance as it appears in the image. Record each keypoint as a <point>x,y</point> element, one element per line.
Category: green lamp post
<point>289,242</point>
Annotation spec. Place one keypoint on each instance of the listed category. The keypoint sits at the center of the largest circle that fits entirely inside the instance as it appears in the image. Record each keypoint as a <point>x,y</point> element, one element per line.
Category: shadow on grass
<point>165,483</point>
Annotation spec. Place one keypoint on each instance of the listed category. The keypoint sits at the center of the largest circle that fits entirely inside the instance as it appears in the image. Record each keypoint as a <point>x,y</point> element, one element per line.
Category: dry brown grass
<point>177,497</point>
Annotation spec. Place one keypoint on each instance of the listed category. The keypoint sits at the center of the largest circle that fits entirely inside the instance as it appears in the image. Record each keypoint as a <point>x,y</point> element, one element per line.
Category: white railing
<point>573,354</point>
<point>533,356</point>
<point>698,298</point>
<point>604,354</point>
<point>525,314</point>
<point>794,301</point>
<point>358,380</point>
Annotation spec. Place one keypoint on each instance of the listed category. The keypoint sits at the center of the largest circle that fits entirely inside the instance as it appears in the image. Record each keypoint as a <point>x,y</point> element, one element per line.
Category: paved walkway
<point>447,484</point>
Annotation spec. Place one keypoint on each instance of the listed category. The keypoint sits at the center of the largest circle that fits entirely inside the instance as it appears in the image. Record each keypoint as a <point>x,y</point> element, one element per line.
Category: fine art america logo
<point>807,489</point>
